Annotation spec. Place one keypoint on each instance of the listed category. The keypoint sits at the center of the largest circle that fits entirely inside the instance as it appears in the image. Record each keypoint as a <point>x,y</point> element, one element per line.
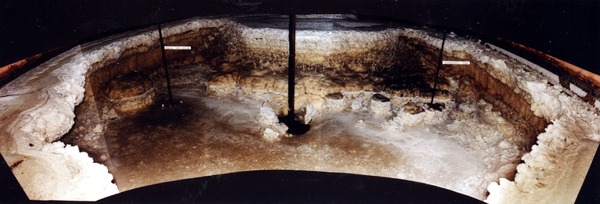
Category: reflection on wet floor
<point>202,136</point>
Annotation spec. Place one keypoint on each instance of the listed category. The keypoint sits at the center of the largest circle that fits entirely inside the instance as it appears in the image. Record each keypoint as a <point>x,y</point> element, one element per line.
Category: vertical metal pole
<point>291,66</point>
<point>437,71</point>
<point>164,60</point>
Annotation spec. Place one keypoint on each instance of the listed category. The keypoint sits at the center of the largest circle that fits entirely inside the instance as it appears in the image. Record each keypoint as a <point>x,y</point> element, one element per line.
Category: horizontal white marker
<point>172,47</point>
<point>457,62</point>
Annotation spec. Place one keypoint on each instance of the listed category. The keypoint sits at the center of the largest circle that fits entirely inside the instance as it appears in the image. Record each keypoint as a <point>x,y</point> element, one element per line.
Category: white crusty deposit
<point>551,171</point>
<point>554,170</point>
<point>60,172</point>
<point>37,109</point>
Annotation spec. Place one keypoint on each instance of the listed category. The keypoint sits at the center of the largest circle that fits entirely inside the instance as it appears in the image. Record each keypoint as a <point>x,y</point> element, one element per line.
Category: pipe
<point>164,60</point>
<point>437,71</point>
<point>291,67</point>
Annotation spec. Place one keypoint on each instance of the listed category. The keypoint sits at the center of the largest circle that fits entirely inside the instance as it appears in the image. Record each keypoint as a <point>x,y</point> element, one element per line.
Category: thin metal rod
<point>291,66</point>
<point>164,60</point>
<point>437,71</point>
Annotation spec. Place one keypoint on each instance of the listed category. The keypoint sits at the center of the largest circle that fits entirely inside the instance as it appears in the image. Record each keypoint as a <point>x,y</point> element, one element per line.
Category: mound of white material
<point>61,172</point>
<point>554,170</point>
<point>273,130</point>
<point>556,167</point>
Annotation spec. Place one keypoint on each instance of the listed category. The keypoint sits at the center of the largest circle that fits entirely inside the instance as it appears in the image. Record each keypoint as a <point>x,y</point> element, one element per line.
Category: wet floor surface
<point>204,135</point>
<point>201,136</point>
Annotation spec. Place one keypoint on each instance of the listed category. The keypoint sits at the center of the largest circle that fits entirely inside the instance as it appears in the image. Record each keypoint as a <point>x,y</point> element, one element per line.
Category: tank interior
<point>497,129</point>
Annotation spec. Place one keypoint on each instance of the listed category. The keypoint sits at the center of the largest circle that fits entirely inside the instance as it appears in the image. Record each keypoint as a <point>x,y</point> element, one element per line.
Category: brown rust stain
<point>571,68</point>
<point>7,70</point>
<point>195,140</point>
<point>16,164</point>
<point>197,148</point>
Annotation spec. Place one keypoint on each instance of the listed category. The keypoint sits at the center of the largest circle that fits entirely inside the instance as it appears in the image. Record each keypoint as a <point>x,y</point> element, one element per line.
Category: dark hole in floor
<point>295,126</point>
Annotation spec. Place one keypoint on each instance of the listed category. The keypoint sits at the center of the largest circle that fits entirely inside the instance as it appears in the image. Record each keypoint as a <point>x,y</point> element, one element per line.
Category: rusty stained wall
<point>401,64</point>
<point>95,109</point>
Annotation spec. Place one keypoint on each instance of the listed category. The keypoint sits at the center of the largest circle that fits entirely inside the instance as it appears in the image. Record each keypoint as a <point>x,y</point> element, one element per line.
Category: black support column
<point>295,127</point>
<point>164,60</point>
<point>437,75</point>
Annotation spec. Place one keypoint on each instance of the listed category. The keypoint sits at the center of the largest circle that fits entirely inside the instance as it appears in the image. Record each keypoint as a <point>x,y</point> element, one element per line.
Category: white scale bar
<point>172,47</point>
<point>456,62</point>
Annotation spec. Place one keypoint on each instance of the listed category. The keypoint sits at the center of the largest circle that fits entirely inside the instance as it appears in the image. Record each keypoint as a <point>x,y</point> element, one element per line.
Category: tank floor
<point>206,135</point>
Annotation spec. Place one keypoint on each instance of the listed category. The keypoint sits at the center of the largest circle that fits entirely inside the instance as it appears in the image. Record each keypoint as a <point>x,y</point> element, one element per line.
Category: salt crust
<point>72,174</point>
<point>273,130</point>
<point>490,141</point>
<point>58,87</point>
<point>38,108</point>
<point>486,145</point>
<point>572,119</point>
<point>318,47</point>
<point>577,90</point>
<point>551,168</point>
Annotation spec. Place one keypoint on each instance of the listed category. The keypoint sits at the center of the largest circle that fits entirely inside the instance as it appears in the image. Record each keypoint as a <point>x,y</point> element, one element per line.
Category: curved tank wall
<point>511,120</point>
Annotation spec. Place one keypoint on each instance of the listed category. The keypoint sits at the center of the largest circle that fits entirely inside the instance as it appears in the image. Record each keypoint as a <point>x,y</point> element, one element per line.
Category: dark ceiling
<point>566,29</point>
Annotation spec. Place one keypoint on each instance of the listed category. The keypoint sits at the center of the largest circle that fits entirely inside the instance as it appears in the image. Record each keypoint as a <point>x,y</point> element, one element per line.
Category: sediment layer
<point>39,108</point>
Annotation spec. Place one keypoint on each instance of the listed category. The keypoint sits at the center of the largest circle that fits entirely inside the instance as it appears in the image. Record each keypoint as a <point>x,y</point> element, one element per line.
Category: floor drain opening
<point>296,125</point>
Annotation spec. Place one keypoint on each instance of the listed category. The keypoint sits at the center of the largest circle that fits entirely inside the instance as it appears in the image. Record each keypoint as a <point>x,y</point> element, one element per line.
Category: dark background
<point>565,29</point>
